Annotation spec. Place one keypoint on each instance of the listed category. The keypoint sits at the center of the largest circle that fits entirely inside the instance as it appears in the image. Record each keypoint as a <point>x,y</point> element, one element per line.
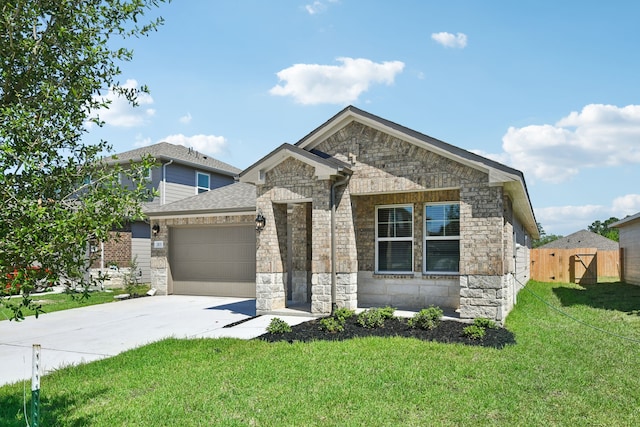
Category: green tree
<point>544,237</point>
<point>58,193</point>
<point>602,228</point>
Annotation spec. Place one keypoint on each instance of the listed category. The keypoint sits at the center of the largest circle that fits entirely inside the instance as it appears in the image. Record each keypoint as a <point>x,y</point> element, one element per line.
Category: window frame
<point>426,238</point>
<point>198,187</point>
<point>394,239</point>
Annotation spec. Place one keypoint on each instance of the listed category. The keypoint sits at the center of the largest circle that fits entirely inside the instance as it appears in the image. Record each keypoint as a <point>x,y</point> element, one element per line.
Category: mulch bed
<point>448,331</point>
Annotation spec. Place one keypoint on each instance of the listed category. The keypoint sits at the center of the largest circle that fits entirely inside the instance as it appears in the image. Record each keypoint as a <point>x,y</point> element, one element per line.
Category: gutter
<point>334,274</point>
<point>164,181</point>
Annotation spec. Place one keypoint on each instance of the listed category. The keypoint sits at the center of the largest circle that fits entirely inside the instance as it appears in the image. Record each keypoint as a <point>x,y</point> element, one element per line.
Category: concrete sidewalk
<point>91,333</point>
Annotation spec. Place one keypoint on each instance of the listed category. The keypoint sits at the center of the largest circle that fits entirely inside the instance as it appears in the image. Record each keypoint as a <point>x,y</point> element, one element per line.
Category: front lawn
<point>51,302</point>
<point>559,372</point>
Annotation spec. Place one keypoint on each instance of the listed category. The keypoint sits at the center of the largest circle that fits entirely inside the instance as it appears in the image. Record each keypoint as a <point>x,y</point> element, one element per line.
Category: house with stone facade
<point>360,212</point>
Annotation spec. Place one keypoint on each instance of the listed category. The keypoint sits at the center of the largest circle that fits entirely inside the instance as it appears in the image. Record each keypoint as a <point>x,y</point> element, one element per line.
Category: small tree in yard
<point>57,193</point>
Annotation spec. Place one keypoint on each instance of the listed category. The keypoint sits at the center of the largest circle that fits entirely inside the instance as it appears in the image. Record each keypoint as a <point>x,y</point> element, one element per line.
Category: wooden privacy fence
<point>581,265</point>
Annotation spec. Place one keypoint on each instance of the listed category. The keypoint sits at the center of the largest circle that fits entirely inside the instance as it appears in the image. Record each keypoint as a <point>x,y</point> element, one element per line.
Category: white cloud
<point>628,204</point>
<point>564,220</point>
<point>141,141</point>
<point>598,136</point>
<point>186,119</point>
<point>458,40</point>
<point>334,84</point>
<point>209,144</point>
<point>121,114</point>
<point>318,6</point>
<point>315,7</point>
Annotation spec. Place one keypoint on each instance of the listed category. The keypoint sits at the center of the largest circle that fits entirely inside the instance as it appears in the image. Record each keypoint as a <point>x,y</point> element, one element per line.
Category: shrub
<point>387,312</point>
<point>483,322</point>
<point>427,318</point>
<point>331,324</point>
<point>342,314</point>
<point>371,318</point>
<point>474,331</point>
<point>278,326</point>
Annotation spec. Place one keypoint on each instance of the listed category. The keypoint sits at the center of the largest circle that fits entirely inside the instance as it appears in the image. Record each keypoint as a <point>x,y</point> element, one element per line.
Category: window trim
<point>198,173</point>
<point>425,238</point>
<point>394,239</point>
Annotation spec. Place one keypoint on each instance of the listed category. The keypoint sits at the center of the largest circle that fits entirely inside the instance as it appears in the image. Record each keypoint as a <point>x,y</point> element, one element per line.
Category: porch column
<point>270,259</point>
<point>321,249</point>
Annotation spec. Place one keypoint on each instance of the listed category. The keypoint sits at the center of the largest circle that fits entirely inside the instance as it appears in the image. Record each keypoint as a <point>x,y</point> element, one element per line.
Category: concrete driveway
<point>90,333</point>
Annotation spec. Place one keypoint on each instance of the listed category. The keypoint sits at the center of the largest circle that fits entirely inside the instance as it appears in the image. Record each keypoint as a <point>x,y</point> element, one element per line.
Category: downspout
<point>334,274</point>
<point>164,181</point>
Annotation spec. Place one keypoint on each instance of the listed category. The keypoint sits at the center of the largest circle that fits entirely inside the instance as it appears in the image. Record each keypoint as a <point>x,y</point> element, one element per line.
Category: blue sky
<point>550,88</point>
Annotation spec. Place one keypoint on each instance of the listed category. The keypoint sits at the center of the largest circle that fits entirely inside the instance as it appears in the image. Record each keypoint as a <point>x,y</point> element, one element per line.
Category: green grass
<point>56,302</point>
<point>559,373</point>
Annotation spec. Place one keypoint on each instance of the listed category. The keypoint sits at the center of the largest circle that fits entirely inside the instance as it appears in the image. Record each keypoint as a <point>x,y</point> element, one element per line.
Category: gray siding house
<point>360,212</point>
<point>630,245</point>
<point>180,173</point>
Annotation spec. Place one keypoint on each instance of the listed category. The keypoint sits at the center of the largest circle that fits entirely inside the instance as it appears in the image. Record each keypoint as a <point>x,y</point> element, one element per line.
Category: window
<point>394,239</point>
<point>202,182</point>
<point>147,173</point>
<point>442,238</point>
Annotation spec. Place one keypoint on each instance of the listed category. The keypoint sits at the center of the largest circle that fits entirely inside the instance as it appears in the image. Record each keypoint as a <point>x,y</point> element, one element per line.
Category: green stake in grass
<point>35,387</point>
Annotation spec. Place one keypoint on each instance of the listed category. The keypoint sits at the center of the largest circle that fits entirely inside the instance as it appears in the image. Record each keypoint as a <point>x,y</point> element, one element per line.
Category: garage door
<point>214,260</point>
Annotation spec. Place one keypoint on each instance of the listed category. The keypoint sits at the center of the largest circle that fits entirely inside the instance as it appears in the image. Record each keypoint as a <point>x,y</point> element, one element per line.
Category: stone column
<point>321,249</point>
<point>346,252</point>
<point>160,274</point>
<point>270,262</point>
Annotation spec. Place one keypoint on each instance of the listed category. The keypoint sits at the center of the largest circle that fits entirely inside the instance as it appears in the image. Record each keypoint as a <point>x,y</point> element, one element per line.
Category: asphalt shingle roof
<point>234,197</point>
<point>583,239</point>
<point>165,151</point>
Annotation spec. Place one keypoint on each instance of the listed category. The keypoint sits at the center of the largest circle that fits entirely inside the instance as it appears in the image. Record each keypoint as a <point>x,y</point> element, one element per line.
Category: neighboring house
<point>630,245</point>
<point>360,212</point>
<point>583,239</point>
<point>181,172</point>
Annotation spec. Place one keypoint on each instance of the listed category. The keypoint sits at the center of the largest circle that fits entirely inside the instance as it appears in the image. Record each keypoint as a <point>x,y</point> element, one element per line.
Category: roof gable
<point>325,166</point>
<point>497,171</point>
<point>511,179</point>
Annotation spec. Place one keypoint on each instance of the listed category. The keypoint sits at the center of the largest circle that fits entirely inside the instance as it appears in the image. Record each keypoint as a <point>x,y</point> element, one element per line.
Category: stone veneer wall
<point>293,182</point>
<point>383,163</point>
<point>160,268</point>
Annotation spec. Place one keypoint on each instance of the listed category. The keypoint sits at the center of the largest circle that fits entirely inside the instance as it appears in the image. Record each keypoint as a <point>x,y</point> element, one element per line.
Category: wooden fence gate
<point>582,265</point>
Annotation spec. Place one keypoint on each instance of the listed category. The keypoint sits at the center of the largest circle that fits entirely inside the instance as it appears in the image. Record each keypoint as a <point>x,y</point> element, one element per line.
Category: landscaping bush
<point>474,332</point>
<point>483,322</point>
<point>332,324</point>
<point>387,312</point>
<point>278,326</point>
<point>427,318</point>
<point>342,314</point>
<point>371,318</point>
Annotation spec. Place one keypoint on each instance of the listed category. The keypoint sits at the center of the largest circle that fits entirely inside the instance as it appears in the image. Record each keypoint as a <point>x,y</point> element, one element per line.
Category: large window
<point>202,182</point>
<point>442,238</point>
<point>394,239</point>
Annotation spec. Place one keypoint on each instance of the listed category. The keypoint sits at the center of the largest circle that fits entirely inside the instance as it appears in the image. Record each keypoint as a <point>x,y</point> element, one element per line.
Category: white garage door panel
<point>214,260</point>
